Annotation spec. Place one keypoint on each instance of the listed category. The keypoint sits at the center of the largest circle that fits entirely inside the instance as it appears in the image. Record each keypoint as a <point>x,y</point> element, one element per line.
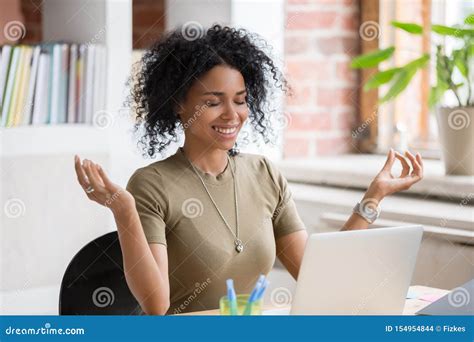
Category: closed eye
<point>212,104</point>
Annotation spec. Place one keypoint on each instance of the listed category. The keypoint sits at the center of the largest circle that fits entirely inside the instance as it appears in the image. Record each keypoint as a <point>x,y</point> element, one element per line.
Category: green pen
<point>232,297</point>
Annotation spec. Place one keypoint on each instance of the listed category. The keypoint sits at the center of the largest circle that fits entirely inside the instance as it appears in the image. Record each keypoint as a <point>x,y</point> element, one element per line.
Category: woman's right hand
<point>99,188</point>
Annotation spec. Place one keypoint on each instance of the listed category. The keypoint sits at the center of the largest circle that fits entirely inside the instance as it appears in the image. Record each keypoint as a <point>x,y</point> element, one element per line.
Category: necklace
<point>239,247</point>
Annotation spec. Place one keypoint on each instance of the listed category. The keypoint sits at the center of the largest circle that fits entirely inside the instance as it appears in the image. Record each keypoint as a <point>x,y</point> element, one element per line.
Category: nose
<point>230,111</point>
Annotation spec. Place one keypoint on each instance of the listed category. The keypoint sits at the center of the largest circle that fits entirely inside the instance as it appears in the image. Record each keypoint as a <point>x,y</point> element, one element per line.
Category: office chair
<point>94,282</point>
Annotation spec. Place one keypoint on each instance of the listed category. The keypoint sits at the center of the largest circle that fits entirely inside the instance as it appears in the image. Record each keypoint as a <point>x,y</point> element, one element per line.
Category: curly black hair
<point>170,67</point>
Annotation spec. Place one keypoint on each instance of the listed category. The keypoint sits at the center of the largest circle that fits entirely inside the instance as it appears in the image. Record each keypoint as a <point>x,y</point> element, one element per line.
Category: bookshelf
<point>36,163</point>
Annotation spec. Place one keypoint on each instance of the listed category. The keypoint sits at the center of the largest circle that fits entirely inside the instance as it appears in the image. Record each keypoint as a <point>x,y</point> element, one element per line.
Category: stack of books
<point>51,83</point>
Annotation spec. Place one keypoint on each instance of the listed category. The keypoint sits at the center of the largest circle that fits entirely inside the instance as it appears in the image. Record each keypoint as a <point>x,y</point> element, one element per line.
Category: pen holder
<point>242,299</point>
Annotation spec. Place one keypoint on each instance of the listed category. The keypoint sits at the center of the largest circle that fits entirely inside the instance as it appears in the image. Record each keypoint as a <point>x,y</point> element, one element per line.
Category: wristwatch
<point>369,211</point>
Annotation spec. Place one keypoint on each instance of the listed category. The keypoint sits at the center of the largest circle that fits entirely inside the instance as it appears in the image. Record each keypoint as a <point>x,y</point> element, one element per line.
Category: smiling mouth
<point>225,130</point>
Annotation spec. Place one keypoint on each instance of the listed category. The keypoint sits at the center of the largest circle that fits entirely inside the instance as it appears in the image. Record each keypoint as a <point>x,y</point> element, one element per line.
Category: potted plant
<point>456,124</point>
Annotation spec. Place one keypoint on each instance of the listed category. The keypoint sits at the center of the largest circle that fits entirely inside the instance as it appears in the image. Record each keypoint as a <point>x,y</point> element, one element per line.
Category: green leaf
<point>404,76</point>
<point>443,67</point>
<point>380,78</point>
<point>408,27</point>
<point>469,19</point>
<point>460,61</point>
<point>436,93</point>
<point>470,50</point>
<point>401,82</point>
<point>419,62</point>
<point>372,59</point>
<point>452,31</point>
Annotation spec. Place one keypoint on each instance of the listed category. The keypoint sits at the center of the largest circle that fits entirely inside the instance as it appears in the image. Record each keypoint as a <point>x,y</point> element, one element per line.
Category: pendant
<point>239,247</point>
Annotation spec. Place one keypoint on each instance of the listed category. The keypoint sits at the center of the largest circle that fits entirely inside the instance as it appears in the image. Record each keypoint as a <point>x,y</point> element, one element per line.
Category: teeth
<point>225,130</point>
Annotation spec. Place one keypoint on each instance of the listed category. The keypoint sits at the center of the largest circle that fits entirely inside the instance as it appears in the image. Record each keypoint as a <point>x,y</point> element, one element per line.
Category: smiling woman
<point>189,74</point>
<point>208,212</point>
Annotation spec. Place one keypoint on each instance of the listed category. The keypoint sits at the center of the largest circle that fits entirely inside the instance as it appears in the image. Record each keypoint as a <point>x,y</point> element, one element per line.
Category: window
<point>407,122</point>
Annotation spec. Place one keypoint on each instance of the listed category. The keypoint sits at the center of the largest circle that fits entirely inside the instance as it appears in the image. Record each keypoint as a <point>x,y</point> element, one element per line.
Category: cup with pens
<point>243,304</point>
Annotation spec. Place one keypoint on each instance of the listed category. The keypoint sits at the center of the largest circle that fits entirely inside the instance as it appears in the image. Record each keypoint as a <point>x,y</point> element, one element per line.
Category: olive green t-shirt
<point>176,211</point>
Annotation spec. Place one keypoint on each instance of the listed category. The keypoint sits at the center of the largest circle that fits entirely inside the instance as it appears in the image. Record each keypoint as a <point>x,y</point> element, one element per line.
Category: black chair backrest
<point>94,282</point>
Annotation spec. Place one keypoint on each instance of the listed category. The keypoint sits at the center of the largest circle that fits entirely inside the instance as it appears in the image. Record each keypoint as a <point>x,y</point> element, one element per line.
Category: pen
<point>262,290</point>
<point>232,297</point>
<point>253,295</point>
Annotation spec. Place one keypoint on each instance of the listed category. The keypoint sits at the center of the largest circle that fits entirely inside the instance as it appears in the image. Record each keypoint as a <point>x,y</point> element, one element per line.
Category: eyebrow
<point>219,93</point>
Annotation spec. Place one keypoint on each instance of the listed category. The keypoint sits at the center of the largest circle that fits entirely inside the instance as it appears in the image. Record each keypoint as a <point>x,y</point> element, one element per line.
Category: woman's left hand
<point>385,183</point>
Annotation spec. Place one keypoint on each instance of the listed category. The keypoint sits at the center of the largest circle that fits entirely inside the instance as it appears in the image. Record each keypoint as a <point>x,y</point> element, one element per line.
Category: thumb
<point>390,160</point>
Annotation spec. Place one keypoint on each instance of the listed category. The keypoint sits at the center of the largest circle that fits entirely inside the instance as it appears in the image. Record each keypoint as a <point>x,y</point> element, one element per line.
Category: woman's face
<point>215,108</point>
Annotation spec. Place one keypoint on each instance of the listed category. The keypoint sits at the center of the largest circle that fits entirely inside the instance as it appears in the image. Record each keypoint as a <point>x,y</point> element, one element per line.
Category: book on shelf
<point>51,83</point>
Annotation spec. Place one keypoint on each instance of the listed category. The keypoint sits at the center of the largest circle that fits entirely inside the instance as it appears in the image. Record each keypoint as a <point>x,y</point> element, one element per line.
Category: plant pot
<point>456,133</point>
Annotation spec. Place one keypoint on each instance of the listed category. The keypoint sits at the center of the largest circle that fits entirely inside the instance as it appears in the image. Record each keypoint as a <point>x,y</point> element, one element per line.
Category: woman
<point>208,213</point>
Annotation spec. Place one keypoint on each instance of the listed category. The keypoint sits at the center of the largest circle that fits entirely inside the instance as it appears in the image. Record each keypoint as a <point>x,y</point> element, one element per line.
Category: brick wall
<point>148,22</point>
<point>31,10</point>
<point>320,40</point>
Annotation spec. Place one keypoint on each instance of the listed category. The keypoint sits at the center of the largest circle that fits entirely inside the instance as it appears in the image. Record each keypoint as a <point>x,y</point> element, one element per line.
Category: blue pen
<point>262,290</point>
<point>253,295</point>
<point>232,297</point>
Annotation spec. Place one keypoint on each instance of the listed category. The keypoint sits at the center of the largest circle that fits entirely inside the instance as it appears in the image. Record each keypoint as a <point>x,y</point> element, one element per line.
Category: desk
<point>411,305</point>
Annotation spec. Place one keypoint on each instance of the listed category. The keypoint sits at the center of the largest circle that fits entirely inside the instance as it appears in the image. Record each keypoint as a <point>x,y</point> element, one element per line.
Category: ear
<point>179,110</point>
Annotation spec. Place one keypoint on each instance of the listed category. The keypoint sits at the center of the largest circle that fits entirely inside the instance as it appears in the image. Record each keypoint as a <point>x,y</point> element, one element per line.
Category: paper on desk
<point>412,294</point>
<point>425,293</point>
<point>276,312</point>
<point>431,297</point>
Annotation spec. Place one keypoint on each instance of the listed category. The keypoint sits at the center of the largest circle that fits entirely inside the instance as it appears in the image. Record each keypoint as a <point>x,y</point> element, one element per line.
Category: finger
<point>414,163</point>
<point>390,160</point>
<point>81,174</point>
<point>108,183</point>
<point>95,172</point>
<point>92,178</point>
<point>406,167</point>
<point>420,160</point>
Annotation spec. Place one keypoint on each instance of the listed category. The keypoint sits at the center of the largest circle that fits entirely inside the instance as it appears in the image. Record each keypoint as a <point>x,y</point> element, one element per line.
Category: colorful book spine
<point>51,83</point>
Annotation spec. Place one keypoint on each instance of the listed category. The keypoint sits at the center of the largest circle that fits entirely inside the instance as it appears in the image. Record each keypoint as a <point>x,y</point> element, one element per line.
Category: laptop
<point>358,272</point>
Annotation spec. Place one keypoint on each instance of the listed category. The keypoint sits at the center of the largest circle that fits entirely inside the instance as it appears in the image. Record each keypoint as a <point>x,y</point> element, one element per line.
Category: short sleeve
<point>145,185</point>
<point>285,217</point>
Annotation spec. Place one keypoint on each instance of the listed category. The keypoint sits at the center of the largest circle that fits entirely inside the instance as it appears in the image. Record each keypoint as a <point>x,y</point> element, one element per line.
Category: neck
<point>208,160</point>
